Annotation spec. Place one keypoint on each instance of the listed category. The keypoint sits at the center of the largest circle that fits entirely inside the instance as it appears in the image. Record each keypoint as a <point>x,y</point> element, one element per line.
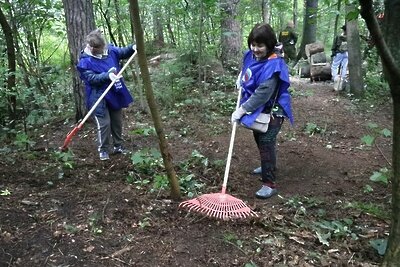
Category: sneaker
<point>266,192</point>
<point>257,170</point>
<point>120,150</point>
<point>104,155</point>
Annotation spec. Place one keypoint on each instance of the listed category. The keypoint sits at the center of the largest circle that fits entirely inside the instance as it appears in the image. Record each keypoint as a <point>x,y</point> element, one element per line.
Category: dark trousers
<point>109,127</point>
<point>266,143</point>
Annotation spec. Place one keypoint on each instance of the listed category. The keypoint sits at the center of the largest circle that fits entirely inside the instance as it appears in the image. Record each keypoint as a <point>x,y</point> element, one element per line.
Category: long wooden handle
<point>230,151</point>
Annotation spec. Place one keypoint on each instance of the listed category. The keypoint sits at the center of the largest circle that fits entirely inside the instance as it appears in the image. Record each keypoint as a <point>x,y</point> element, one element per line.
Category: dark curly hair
<point>262,33</point>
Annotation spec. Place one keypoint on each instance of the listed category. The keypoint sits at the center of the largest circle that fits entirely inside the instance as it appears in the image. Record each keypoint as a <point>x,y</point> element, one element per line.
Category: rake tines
<point>220,206</point>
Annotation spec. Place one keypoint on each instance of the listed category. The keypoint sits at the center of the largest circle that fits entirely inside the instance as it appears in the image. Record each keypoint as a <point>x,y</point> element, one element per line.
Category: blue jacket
<point>94,73</point>
<point>254,73</point>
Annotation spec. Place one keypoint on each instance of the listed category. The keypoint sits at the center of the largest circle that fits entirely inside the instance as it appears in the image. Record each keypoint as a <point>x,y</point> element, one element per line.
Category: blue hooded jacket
<point>254,73</point>
<point>94,73</point>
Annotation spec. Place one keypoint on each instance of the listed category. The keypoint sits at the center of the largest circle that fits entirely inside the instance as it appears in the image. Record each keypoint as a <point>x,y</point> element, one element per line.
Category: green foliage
<point>94,223</point>
<point>326,230</point>
<point>65,158</point>
<point>312,128</point>
<point>379,245</point>
<point>22,141</point>
<point>144,131</point>
<point>382,176</point>
<point>147,160</point>
<point>373,209</point>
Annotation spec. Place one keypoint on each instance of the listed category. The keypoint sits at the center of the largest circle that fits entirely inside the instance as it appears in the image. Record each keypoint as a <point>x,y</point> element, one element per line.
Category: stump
<point>304,71</point>
<point>318,59</point>
<point>320,72</point>
<point>314,48</point>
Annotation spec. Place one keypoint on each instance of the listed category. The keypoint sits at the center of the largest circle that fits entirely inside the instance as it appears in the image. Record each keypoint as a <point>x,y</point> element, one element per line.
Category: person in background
<point>264,83</point>
<point>98,66</point>
<point>288,38</point>
<point>340,59</point>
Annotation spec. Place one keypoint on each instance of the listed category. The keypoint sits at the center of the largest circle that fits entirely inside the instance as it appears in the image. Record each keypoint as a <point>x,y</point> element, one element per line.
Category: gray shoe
<point>266,192</point>
<point>104,155</point>
<point>257,170</point>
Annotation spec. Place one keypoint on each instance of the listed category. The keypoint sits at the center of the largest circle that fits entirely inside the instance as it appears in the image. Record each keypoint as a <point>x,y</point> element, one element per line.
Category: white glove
<point>113,76</point>
<point>237,114</point>
<point>134,47</point>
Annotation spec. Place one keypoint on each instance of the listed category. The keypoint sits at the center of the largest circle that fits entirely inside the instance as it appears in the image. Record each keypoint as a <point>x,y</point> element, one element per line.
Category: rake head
<point>220,206</point>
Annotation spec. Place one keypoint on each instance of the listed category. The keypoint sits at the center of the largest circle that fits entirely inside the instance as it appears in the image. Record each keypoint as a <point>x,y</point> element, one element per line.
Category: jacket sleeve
<point>125,52</point>
<point>262,94</point>
<point>93,78</point>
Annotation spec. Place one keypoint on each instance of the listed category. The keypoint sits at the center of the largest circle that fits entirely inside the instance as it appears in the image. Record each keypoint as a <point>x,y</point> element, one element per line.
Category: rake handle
<point>230,150</point>
<point>79,126</point>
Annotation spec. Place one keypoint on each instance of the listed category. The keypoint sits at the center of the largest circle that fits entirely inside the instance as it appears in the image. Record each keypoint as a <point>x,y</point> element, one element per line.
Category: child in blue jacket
<point>98,65</point>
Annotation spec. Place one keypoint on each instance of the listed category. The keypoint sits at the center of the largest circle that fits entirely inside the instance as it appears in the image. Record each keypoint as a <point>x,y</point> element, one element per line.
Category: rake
<point>72,133</point>
<point>221,205</point>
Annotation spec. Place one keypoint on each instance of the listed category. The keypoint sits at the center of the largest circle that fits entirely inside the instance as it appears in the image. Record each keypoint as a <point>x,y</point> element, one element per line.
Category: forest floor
<point>80,211</point>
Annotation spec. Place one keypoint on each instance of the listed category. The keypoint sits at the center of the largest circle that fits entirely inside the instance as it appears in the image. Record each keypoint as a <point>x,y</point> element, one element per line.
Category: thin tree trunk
<point>388,50</point>
<point>167,158</point>
<point>354,50</point>
<point>79,18</point>
<point>265,7</point>
<point>12,101</point>
<point>309,27</point>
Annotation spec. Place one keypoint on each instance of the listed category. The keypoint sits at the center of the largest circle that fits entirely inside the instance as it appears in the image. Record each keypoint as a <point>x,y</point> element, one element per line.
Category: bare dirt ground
<point>90,215</point>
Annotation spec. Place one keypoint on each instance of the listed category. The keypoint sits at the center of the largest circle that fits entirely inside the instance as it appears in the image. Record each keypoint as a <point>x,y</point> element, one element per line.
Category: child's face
<point>259,50</point>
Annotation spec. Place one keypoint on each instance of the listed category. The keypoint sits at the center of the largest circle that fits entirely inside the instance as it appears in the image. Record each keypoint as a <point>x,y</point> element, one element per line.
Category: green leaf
<point>386,133</point>
<point>323,238</point>
<point>368,140</point>
<point>379,177</point>
<point>380,245</point>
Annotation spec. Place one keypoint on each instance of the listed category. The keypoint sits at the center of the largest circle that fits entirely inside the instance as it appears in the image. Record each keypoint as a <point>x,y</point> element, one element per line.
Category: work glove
<point>134,47</point>
<point>237,114</point>
<point>112,74</point>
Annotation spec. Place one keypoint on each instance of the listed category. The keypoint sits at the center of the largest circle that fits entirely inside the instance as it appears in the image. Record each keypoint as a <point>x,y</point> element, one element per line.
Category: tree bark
<point>388,50</point>
<point>354,51</point>
<point>12,100</point>
<point>167,158</point>
<point>265,9</point>
<point>79,18</point>
<point>309,27</point>
<point>231,39</point>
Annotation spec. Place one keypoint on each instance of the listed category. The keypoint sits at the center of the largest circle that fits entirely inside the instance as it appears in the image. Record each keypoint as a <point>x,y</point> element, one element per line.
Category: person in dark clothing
<point>340,59</point>
<point>288,38</point>
<point>264,83</point>
<point>98,65</point>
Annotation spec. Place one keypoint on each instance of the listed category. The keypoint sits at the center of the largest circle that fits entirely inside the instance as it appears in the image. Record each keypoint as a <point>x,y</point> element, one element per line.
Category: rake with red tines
<point>221,205</point>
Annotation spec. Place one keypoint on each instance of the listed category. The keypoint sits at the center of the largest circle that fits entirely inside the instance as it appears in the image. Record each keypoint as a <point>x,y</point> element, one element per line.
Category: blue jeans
<point>340,59</point>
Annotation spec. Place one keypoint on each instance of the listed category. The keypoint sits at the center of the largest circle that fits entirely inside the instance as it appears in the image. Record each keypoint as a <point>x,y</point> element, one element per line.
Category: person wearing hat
<point>339,59</point>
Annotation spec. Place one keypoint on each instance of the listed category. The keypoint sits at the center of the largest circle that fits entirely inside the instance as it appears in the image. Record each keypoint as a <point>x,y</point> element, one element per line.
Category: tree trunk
<point>320,72</point>
<point>354,51</point>
<point>12,101</point>
<point>295,13</point>
<point>231,39</point>
<point>167,158</point>
<point>265,8</point>
<point>388,50</point>
<point>158,28</point>
<point>309,27</point>
<point>79,18</point>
